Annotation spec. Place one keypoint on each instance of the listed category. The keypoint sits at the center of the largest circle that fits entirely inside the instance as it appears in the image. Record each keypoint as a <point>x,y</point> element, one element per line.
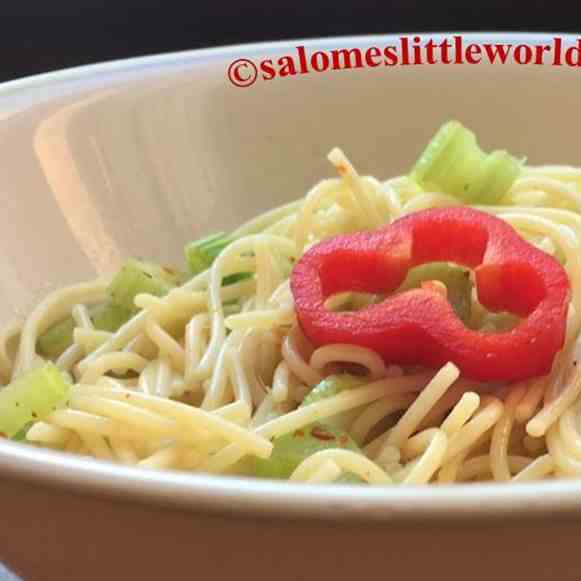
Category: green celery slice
<point>31,397</point>
<point>56,339</point>
<point>330,386</point>
<point>134,277</point>
<point>200,254</point>
<point>456,279</point>
<point>109,317</point>
<point>499,172</point>
<point>106,317</point>
<point>236,277</point>
<point>139,277</point>
<point>20,436</point>
<point>454,163</point>
<point>291,449</point>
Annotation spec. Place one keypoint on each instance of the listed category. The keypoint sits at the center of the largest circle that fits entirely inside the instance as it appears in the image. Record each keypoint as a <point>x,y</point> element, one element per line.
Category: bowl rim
<point>189,56</point>
<point>241,497</point>
<point>236,496</point>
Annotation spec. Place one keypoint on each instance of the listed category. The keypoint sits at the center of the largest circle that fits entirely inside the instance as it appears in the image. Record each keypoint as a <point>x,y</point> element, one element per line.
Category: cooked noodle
<point>193,383</point>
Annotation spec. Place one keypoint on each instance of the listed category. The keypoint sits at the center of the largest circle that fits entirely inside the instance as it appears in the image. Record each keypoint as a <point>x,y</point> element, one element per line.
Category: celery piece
<point>236,277</point>
<point>58,337</point>
<point>456,279</point>
<point>200,254</point>
<point>331,385</point>
<point>499,172</point>
<point>454,163</point>
<point>31,397</point>
<point>109,317</point>
<point>291,449</point>
<point>137,277</point>
<point>20,436</point>
<point>499,322</point>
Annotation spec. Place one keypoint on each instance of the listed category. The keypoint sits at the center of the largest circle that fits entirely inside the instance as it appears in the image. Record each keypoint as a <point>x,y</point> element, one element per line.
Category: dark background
<point>44,35</point>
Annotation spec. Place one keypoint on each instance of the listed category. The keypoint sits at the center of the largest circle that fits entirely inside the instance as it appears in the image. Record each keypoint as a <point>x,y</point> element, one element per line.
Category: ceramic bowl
<point>137,157</point>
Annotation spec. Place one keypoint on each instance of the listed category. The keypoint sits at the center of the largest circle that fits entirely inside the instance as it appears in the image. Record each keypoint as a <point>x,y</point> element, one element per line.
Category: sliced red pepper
<point>419,326</point>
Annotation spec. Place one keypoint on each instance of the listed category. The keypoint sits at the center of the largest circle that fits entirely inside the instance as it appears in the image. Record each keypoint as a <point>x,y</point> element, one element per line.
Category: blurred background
<point>39,36</point>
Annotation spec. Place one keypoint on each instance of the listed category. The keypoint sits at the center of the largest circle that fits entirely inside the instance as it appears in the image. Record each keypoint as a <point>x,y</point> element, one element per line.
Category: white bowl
<point>135,158</point>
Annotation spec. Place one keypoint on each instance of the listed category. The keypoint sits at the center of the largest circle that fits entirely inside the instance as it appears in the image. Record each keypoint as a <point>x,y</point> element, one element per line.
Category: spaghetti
<point>207,377</point>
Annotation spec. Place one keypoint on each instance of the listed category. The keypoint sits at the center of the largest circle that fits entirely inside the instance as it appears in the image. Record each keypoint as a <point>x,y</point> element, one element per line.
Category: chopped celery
<point>109,317</point>
<point>499,172</point>
<point>138,276</point>
<point>20,436</point>
<point>291,449</point>
<point>499,322</point>
<point>456,279</point>
<point>31,397</point>
<point>454,163</point>
<point>105,317</point>
<point>56,339</point>
<point>236,277</point>
<point>331,385</point>
<point>200,254</point>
